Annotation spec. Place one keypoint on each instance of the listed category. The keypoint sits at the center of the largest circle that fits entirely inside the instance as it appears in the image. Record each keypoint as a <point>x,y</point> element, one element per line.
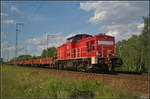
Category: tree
<point>44,53</point>
<point>22,58</point>
<point>135,51</point>
<point>50,52</point>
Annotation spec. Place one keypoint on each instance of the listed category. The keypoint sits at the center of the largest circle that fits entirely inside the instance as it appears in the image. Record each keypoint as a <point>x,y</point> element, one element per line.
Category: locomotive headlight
<point>94,60</point>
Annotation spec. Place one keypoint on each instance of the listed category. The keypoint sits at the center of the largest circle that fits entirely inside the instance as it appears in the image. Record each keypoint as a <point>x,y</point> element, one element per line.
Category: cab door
<point>90,46</point>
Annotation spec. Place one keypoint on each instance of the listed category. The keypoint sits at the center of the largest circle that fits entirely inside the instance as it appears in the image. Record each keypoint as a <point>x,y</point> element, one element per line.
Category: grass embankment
<point>26,82</point>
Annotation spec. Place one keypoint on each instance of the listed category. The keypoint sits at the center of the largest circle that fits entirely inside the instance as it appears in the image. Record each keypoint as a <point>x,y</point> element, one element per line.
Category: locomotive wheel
<point>109,67</point>
<point>81,68</point>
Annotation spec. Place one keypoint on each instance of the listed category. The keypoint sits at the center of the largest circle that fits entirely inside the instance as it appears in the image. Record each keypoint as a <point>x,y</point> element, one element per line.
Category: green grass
<point>26,82</point>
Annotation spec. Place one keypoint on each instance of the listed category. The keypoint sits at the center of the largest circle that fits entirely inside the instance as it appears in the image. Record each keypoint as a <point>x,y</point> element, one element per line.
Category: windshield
<point>105,42</point>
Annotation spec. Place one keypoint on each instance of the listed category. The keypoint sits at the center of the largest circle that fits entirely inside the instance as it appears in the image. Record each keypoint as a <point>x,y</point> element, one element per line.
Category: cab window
<point>77,39</point>
<point>90,46</point>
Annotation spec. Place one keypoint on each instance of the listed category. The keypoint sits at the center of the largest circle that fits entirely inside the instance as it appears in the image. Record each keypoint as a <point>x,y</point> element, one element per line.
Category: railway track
<point>133,82</point>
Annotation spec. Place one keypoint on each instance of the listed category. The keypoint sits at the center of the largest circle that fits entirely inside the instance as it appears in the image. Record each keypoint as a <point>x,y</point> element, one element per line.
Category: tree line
<point>49,52</point>
<point>135,51</point>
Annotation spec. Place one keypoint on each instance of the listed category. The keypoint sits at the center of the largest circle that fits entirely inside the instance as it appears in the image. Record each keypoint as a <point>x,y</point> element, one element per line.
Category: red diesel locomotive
<point>82,52</point>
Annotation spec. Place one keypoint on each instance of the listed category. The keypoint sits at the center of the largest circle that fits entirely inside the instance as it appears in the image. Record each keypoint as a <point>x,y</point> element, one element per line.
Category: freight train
<point>81,52</point>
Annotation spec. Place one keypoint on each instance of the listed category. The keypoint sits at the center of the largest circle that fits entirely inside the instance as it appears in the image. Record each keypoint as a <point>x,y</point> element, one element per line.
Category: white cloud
<point>15,9</point>
<point>112,33</point>
<point>38,44</point>
<point>3,36</point>
<point>140,26</point>
<point>34,17</point>
<point>9,21</point>
<point>4,14</point>
<point>124,31</point>
<point>98,17</point>
<point>7,50</point>
<point>33,46</point>
<point>119,18</point>
<point>115,10</point>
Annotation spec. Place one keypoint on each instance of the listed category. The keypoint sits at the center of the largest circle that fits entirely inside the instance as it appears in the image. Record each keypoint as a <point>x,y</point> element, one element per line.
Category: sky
<point>62,19</point>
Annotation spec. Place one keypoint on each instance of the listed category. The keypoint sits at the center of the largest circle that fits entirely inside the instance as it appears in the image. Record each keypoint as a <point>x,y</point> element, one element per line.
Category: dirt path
<point>137,83</point>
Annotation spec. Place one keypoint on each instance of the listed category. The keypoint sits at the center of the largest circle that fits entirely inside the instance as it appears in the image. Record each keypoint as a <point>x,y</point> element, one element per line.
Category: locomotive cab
<point>106,52</point>
<point>77,37</point>
<point>105,46</point>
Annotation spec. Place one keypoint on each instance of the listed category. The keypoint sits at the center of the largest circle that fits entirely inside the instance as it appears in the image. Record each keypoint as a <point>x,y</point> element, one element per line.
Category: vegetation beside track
<point>26,82</point>
<point>135,51</point>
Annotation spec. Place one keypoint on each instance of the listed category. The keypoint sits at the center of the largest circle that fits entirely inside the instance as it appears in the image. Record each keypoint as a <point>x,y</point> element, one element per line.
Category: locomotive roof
<point>100,34</point>
<point>104,35</point>
<point>79,35</point>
